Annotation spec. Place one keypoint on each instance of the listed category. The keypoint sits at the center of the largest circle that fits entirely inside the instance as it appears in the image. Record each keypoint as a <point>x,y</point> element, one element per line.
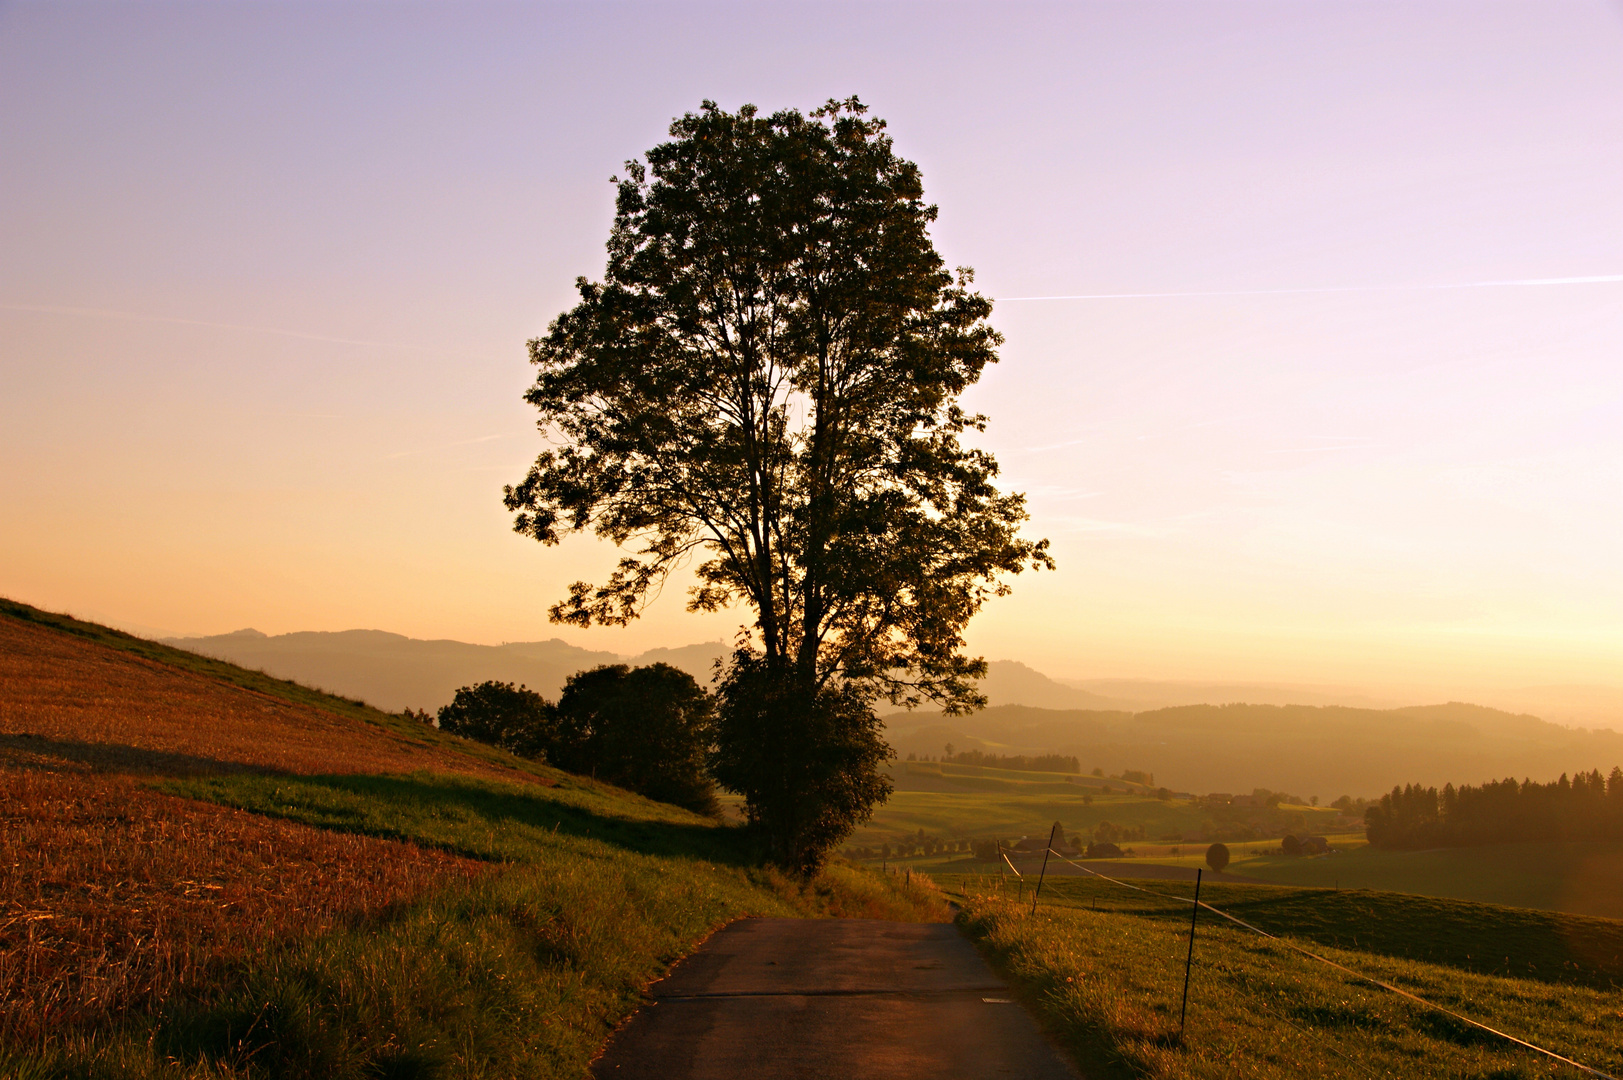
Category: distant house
<point>1315,845</point>
<point>1219,798</point>
<point>1246,800</point>
<point>1104,851</point>
<point>1036,846</point>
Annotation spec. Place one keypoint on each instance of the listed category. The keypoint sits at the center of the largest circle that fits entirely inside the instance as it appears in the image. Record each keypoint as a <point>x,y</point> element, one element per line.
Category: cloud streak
<point>136,316</point>
<point>1594,279</point>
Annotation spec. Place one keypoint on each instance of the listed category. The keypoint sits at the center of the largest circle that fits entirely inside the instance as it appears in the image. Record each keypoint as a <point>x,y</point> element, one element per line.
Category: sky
<point>1313,311</point>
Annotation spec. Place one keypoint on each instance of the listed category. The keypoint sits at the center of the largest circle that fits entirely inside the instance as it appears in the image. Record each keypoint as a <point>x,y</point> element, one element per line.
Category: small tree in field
<point>766,383</point>
<point>514,718</point>
<point>1217,857</point>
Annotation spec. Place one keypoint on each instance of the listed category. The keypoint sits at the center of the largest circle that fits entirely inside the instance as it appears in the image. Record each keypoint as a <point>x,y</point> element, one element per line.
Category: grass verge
<point>1108,982</point>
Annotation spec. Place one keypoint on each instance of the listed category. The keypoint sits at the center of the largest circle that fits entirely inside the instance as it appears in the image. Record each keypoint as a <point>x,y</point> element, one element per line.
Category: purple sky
<point>269,268</point>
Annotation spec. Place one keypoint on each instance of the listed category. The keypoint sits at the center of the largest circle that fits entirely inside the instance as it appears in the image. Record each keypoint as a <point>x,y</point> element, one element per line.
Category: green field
<point>1581,877</point>
<point>967,802</point>
<point>1103,967</point>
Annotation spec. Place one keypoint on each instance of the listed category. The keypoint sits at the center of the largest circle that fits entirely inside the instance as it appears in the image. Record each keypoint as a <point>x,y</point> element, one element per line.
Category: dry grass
<point>69,700</point>
<point>112,894</point>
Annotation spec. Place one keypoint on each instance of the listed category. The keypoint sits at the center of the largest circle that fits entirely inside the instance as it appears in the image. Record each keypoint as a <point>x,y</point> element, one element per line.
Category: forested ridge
<point>1588,806</point>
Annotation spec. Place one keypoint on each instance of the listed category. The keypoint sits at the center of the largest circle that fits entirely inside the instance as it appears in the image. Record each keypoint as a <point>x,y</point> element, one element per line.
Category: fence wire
<point>1287,943</point>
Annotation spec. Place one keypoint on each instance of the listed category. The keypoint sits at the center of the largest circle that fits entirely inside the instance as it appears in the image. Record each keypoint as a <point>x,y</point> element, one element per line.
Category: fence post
<point>1194,913</point>
<point>1044,871</point>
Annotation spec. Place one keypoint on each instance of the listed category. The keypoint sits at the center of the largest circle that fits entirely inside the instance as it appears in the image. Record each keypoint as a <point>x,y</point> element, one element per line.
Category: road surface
<point>851,999</point>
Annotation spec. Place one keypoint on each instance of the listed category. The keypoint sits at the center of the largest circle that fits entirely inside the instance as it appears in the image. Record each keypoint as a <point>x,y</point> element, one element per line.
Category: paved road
<point>785,999</point>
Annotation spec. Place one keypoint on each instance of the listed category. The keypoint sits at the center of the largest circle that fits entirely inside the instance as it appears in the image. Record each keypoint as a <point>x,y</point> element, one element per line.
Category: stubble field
<point>111,893</point>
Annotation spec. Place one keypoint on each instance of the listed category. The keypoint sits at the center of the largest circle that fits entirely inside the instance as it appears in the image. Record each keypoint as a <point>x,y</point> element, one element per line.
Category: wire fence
<point>1286,943</point>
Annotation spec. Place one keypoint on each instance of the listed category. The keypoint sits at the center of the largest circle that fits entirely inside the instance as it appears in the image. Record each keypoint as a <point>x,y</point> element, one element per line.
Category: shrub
<point>514,718</point>
<point>647,729</point>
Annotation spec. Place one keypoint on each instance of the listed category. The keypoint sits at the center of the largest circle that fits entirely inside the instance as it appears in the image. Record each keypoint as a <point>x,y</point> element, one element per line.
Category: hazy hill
<point>1138,695</point>
<point>1009,682</point>
<point>1304,749</point>
<point>1576,705</point>
<point>1308,749</point>
<point>395,672</point>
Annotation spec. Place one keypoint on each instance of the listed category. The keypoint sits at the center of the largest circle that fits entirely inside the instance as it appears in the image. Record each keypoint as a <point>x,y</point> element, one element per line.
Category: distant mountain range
<point>395,672</point>
<point>1304,740</point>
<point>1304,750</point>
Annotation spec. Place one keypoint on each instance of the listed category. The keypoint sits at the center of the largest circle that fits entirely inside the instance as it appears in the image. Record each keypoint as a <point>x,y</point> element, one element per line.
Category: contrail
<point>103,313</point>
<point>1597,279</point>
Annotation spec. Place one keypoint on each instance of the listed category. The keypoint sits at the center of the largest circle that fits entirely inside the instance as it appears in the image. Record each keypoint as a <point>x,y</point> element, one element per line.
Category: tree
<point>1290,845</point>
<point>1217,857</point>
<point>515,718</point>
<point>766,383</point>
<point>648,729</point>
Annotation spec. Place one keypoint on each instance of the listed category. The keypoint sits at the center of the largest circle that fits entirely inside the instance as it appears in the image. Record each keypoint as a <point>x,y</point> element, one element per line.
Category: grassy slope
<point>256,681</point>
<point>1108,981</point>
<point>524,972</point>
<point>1586,878</point>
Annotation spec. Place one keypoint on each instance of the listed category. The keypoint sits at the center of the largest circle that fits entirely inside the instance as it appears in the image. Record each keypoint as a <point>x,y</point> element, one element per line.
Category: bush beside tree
<point>646,729</point>
<point>515,718</point>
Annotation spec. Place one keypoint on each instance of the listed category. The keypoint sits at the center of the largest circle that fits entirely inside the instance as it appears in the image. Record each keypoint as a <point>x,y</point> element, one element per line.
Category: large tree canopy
<point>765,386</point>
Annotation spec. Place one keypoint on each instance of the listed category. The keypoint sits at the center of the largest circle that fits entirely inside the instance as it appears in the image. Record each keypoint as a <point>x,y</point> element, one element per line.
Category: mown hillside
<point>205,871</point>
<point>1307,750</point>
